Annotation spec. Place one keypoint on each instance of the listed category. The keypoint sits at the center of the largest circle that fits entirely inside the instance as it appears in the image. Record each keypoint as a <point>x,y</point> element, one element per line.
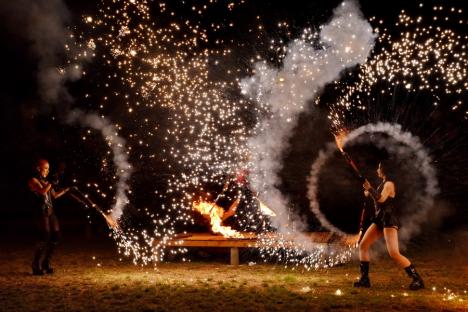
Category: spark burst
<point>157,63</point>
<point>429,60</point>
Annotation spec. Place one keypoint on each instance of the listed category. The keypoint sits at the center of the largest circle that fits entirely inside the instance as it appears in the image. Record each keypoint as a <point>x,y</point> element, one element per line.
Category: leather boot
<point>417,282</point>
<point>36,264</point>
<point>48,255</point>
<point>364,281</point>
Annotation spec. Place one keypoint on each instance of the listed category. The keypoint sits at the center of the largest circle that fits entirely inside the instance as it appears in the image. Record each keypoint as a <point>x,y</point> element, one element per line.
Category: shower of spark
<point>308,64</point>
<point>159,72</point>
<point>430,60</point>
<point>425,61</point>
<point>158,64</point>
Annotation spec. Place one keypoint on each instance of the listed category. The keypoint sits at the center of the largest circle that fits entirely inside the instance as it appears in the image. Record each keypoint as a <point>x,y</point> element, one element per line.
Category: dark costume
<point>385,218</point>
<point>384,212</point>
<point>48,226</point>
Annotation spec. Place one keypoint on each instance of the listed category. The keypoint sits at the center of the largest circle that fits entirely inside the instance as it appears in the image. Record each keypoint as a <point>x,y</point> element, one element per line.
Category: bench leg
<point>234,256</point>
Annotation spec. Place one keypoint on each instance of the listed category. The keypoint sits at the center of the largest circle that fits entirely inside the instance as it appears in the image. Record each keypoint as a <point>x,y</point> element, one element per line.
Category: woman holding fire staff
<point>48,222</point>
<point>45,194</point>
<point>386,224</point>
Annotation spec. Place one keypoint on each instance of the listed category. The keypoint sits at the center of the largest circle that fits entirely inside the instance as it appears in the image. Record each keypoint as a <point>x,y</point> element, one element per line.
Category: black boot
<point>48,255</point>
<point>364,281</point>
<point>36,270</point>
<point>36,266</point>
<point>417,282</point>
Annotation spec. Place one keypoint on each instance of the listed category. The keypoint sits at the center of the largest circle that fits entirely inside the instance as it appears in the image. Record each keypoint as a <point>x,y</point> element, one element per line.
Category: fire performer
<point>384,223</point>
<point>48,222</point>
<point>213,207</point>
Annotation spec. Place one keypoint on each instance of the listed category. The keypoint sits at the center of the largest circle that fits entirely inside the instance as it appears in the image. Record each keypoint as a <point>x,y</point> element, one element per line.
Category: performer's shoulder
<point>389,184</point>
<point>33,181</point>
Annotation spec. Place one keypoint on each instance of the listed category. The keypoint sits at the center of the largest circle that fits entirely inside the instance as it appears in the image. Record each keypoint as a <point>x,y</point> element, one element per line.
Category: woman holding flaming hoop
<point>384,224</point>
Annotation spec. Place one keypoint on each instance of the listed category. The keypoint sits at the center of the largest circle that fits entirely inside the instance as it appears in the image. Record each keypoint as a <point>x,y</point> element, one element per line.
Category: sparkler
<point>339,139</point>
<point>83,199</point>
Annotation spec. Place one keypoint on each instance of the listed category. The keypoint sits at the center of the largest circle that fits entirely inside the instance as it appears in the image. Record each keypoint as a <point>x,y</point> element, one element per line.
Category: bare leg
<point>372,234</point>
<point>391,239</point>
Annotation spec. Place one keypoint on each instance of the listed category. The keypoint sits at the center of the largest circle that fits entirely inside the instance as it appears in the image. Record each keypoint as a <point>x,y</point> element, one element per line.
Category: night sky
<point>32,128</point>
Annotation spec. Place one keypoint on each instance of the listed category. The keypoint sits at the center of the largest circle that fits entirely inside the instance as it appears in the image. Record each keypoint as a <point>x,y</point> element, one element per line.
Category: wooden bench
<point>251,240</point>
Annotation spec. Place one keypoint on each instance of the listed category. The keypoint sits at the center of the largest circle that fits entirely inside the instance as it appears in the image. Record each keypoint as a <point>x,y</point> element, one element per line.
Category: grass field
<point>104,283</point>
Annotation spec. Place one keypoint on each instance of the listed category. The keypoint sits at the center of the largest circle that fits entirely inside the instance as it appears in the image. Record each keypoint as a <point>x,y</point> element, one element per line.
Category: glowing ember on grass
<point>214,214</point>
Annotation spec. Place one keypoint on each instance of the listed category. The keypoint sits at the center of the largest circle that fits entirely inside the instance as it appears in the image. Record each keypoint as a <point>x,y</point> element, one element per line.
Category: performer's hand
<point>366,193</point>
<point>367,185</point>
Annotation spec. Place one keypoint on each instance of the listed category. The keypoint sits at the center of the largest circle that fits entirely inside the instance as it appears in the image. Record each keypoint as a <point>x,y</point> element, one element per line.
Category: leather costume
<point>48,230</point>
<point>385,212</point>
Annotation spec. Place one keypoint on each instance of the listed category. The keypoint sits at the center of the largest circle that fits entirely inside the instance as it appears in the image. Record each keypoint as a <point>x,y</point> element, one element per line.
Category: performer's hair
<point>386,166</point>
<point>41,162</point>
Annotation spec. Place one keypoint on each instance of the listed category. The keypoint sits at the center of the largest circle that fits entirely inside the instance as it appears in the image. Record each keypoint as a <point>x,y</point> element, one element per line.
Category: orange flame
<point>339,139</point>
<point>215,213</point>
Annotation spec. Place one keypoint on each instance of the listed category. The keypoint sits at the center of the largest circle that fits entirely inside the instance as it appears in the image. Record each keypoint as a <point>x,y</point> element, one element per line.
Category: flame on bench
<point>215,213</point>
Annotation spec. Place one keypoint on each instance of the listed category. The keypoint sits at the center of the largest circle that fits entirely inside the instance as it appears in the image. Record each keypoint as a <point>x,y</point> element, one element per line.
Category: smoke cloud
<point>120,159</point>
<point>410,150</point>
<point>46,29</point>
<point>43,24</point>
<point>284,93</point>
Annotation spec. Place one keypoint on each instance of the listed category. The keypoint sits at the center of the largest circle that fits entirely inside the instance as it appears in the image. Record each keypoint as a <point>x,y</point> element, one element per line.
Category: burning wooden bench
<point>251,240</point>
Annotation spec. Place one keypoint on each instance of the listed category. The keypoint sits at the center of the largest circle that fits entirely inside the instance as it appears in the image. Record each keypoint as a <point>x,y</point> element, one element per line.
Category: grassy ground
<point>82,283</point>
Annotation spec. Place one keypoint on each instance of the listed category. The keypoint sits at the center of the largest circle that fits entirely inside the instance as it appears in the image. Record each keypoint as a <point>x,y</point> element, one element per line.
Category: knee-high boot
<point>51,244</point>
<point>36,264</point>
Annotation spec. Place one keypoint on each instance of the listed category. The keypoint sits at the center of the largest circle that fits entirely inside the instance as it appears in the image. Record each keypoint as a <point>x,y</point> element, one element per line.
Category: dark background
<point>32,129</point>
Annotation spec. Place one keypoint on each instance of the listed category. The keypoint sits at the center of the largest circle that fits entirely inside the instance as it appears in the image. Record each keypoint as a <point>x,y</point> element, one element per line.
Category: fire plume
<point>339,139</point>
<point>214,214</point>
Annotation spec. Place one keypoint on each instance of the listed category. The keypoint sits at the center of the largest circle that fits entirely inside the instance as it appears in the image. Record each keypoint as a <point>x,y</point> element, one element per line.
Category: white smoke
<point>43,24</point>
<point>411,150</point>
<point>120,159</point>
<point>46,29</point>
<point>344,42</point>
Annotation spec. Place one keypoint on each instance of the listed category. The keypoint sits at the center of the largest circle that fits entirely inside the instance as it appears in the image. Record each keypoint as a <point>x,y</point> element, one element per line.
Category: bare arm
<point>58,194</point>
<point>38,187</point>
<point>232,210</point>
<point>388,189</point>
